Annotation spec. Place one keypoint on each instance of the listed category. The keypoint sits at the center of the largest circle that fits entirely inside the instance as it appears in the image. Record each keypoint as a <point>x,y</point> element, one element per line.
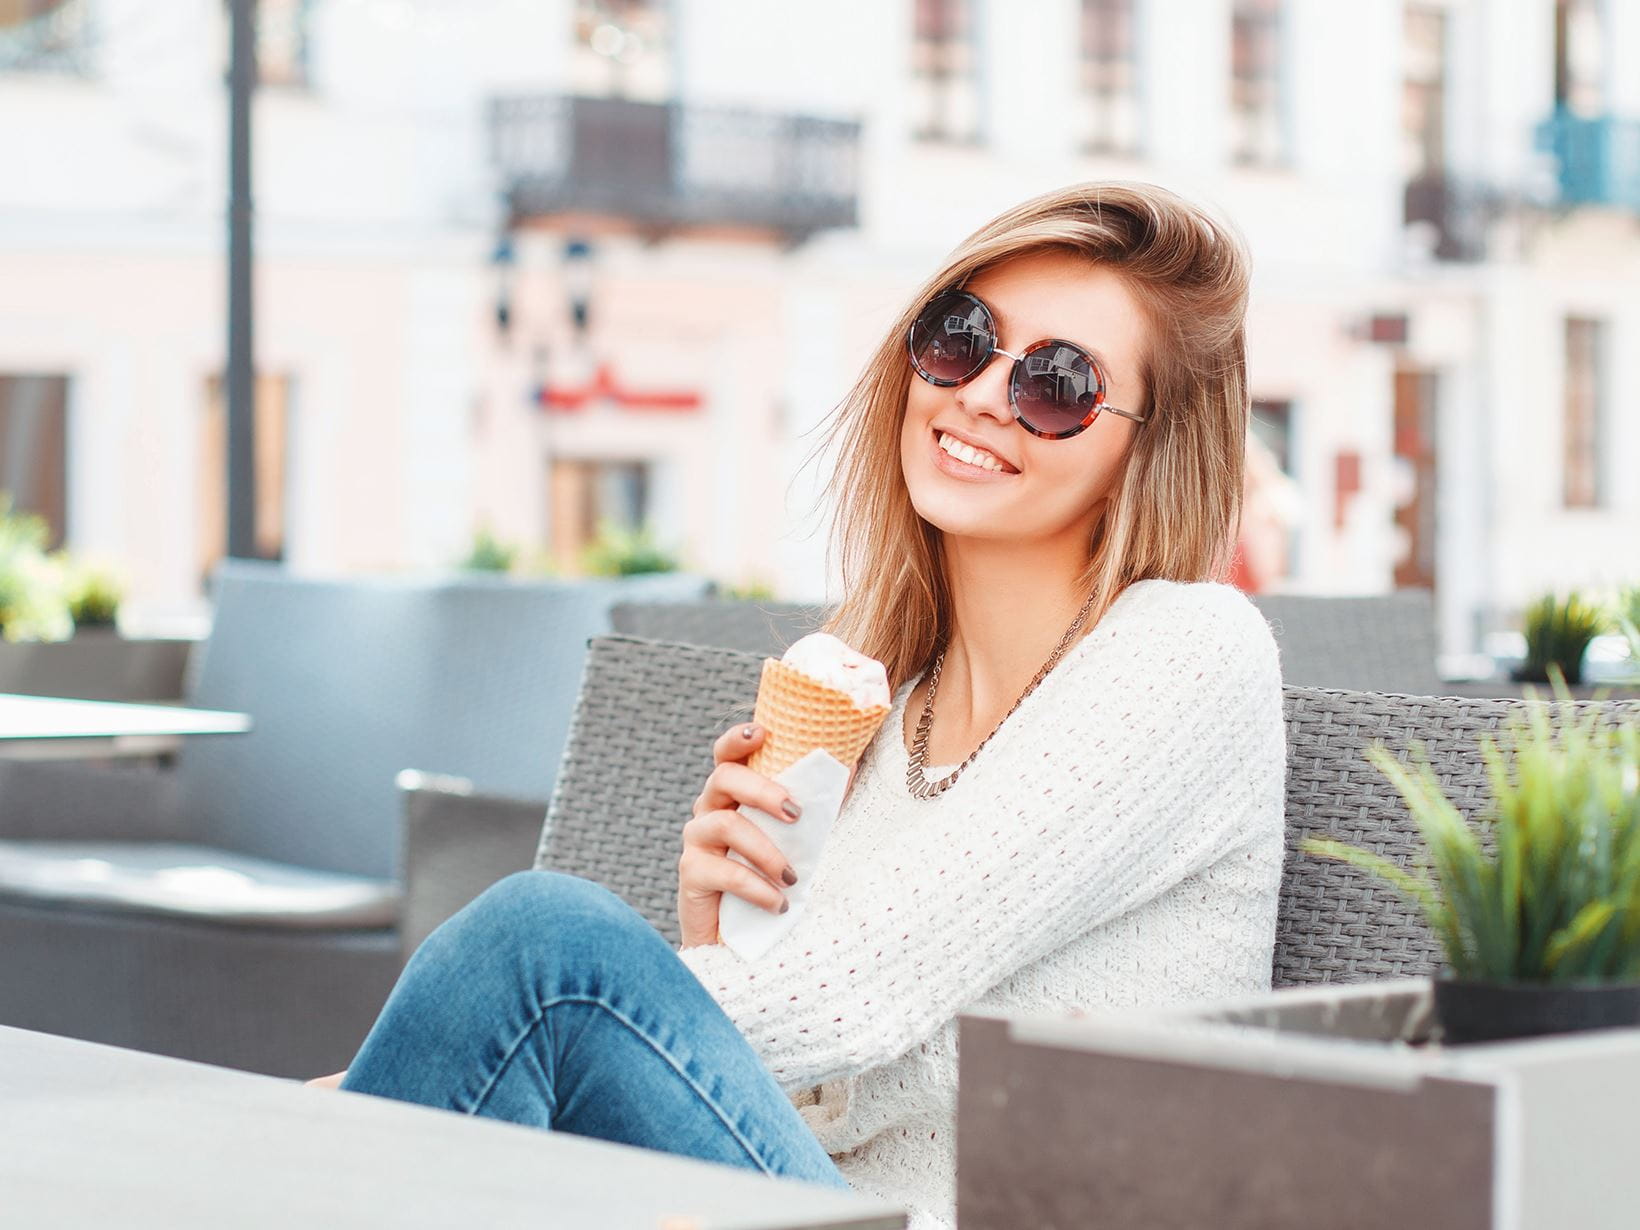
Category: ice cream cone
<point>801,714</point>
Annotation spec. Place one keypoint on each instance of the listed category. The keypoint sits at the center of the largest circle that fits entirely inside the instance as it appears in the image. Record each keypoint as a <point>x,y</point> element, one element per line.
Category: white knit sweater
<point>1117,842</point>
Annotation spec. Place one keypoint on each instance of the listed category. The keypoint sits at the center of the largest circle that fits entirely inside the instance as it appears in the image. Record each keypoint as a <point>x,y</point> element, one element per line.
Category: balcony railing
<point>673,165</point>
<point>1456,213</point>
<point>1599,158</point>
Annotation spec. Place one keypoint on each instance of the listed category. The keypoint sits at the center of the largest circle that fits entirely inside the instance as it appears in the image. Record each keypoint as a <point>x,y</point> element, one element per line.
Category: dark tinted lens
<point>1056,387</point>
<point>952,338</point>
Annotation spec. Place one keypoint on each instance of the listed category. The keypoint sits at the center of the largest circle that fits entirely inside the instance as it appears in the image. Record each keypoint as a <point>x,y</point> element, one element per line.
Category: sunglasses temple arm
<point>1127,414</point>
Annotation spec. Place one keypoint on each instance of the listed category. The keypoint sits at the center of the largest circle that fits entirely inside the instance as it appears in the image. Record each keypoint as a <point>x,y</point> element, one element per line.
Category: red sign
<point>603,387</point>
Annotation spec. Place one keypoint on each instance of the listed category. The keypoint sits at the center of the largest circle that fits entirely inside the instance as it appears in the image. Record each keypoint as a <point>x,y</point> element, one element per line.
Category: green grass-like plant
<point>753,591</point>
<point>33,606</point>
<point>489,553</point>
<point>93,594</point>
<point>1558,633</point>
<point>1546,889</point>
<point>1628,623</point>
<point>619,552</point>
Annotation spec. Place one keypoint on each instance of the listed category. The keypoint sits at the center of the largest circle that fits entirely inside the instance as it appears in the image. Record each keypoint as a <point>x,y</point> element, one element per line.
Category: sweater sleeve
<point>1163,753</point>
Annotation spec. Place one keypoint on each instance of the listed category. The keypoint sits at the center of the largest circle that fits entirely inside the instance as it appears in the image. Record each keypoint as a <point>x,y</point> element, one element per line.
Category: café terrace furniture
<point>1380,643</point>
<point>648,712</point>
<point>763,628</point>
<point>95,1136</point>
<point>56,717</point>
<point>242,908</point>
<point>97,664</point>
<point>1376,642</point>
<point>42,727</point>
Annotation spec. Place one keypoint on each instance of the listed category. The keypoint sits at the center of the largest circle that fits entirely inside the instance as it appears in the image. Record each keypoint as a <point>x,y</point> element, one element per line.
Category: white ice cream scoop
<point>827,660</point>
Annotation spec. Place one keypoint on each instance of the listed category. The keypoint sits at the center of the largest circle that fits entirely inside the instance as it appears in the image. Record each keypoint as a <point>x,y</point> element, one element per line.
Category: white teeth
<point>968,453</point>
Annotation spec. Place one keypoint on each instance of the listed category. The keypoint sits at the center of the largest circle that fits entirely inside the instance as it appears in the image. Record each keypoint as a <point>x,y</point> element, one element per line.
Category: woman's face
<point>1051,487</point>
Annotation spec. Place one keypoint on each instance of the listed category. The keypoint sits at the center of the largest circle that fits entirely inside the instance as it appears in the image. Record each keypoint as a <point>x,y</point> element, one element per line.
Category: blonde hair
<point>1176,503</point>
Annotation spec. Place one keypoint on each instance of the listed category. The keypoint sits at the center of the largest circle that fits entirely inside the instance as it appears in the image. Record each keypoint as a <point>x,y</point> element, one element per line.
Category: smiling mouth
<point>968,467</point>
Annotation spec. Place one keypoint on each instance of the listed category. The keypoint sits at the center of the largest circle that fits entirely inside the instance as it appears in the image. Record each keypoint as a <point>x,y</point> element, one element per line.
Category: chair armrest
<point>54,800</point>
<point>456,844</point>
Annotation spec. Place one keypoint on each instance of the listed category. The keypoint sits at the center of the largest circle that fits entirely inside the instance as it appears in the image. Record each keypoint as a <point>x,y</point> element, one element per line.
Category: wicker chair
<point>104,932</point>
<point>640,747</point>
<point>763,628</point>
<point>1380,643</point>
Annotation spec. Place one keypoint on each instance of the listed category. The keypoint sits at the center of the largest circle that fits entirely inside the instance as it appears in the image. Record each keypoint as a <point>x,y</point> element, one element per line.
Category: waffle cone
<point>801,715</point>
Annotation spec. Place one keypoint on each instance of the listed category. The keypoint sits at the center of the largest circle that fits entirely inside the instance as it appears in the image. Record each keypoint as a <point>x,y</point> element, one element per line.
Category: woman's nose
<point>987,392</point>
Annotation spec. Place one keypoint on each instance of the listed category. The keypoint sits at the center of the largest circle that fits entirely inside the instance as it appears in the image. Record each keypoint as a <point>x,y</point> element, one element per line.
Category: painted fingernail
<point>748,732</point>
<point>784,906</point>
<point>789,876</point>
<point>791,809</point>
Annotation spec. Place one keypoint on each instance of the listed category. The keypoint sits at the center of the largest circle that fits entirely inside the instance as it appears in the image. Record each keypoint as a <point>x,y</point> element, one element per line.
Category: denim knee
<point>547,894</point>
<point>552,903</point>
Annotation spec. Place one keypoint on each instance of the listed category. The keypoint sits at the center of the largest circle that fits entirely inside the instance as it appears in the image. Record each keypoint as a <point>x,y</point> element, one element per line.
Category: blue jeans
<point>549,1001</point>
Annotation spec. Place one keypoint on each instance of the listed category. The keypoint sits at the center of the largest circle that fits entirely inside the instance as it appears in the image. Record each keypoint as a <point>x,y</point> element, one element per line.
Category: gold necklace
<point>916,781</point>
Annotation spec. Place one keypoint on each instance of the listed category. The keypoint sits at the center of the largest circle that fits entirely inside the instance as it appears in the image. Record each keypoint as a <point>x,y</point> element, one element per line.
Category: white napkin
<point>818,783</point>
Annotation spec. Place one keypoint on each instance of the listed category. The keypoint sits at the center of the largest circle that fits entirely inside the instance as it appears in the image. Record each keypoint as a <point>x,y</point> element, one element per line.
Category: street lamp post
<point>240,379</point>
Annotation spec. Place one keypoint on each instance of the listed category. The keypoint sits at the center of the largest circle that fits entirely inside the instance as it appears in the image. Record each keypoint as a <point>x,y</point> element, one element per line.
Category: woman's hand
<point>705,870</point>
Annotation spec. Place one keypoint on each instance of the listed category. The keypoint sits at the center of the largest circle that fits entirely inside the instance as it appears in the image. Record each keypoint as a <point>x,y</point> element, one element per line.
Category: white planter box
<point>1299,1109</point>
<point>98,664</point>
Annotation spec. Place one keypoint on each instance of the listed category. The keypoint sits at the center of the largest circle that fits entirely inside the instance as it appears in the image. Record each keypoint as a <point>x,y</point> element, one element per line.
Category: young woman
<point>1076,800</point>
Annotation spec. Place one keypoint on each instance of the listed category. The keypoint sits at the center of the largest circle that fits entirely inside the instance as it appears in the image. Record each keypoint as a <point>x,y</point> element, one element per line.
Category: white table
<point>40,727</point>
<point>97,1136</point>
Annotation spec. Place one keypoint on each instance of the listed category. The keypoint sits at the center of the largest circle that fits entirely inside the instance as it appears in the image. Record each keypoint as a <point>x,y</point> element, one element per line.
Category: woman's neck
<point>1011,606</point>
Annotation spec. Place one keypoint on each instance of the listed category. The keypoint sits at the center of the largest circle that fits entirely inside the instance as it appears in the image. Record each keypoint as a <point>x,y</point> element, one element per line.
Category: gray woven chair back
<point>1383,643</point>
<point>507,670</point>
<point>763,628</point>
<point>640,748</point>
<point>348,682</point>
<point>1337,923</point>
<point>330,672</point>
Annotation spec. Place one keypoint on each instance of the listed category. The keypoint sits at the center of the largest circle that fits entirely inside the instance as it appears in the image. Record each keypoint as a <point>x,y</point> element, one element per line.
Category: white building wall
<point>413,420</point>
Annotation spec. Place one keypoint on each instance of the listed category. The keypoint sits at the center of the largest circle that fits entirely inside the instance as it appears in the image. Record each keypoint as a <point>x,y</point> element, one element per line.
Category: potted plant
<point>489,553</point>
<point>1557,634</point>
<point>58,623</point>
<point>33,602</point>
<point>618,552</point>
<point>1628,623</point>
<point>758,590</point>
<point>1538,909</point>
<point>93,594</point>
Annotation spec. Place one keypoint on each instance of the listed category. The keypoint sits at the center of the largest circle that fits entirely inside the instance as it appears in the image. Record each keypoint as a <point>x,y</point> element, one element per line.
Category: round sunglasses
<point>1056,388</point>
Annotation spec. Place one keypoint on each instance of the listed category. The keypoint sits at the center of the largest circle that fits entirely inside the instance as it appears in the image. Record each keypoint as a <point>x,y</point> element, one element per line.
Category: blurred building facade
<point>539,265</point>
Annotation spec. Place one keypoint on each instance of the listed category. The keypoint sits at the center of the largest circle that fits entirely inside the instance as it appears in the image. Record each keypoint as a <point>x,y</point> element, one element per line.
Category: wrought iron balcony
<point>667,166</point>
<point>1599,158</point>
<point>1457,214</point>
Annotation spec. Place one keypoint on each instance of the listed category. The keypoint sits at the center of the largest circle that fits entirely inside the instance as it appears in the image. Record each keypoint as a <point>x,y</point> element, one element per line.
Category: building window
<point>1257,131</point>
<point>34,448</point>
<point>1417,402</point>
<point>623,49</point>
<point>1585,412</point>
<point>1423,94</point>
<point>944,72</point>
<point>1580,58</point>
<point>45,35</point>
<point>1110,77</point>
<point>282,43</point>
<point>586,495</point>
<point>272,433</point>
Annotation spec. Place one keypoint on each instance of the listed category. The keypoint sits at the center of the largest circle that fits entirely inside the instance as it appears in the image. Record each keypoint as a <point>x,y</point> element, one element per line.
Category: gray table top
<point>98,1136</point>
<point>51,717</point>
